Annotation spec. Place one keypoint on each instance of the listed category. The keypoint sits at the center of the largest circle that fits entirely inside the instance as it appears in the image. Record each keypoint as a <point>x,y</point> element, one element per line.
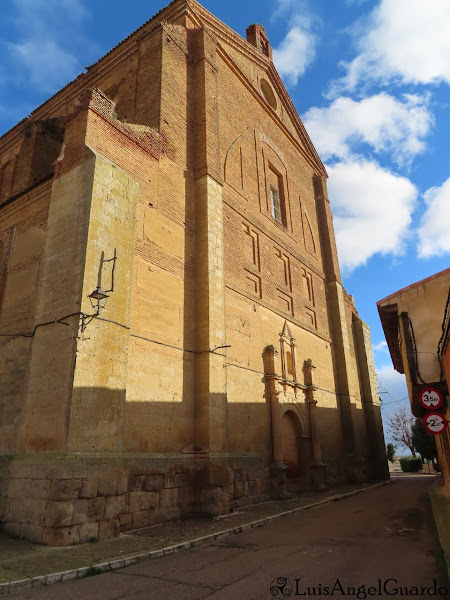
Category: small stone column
<point>277,447</point>
<point>275,413</point>
<point>277,468</point>
<point>312,403</point>
<point>319,474</point>
<point>316,449</point>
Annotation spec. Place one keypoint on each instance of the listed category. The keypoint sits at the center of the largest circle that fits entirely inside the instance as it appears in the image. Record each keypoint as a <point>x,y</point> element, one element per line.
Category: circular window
<point>268,94</point>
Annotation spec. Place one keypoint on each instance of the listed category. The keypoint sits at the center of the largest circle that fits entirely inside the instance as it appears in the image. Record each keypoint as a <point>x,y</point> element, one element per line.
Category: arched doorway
<point>290,436</point>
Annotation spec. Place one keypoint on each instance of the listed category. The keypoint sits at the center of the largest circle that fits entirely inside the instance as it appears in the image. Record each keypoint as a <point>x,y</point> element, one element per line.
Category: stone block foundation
<point>62,499</point>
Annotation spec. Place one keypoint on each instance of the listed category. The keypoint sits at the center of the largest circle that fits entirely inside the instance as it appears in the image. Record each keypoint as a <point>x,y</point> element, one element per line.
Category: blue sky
<point>370,79</point>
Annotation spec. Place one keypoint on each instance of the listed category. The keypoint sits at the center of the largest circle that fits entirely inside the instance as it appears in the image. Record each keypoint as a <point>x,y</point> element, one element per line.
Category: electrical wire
<point>141,337</point>
<point>158,342</point>
<point>97,317</point>
<point>414,348</point>
<point>394,401</point>
<point>31,334</point>
<point>385,391</point>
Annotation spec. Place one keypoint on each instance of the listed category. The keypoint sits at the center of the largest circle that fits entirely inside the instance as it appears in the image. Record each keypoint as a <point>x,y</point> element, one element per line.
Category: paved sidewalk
<point>24,564</point>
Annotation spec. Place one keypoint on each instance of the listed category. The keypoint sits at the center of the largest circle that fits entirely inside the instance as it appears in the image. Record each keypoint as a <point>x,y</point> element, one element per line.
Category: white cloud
<point>298,48</point>
<point>46,63</point>
<point>41,49</point>
<point>381,346</point>
<point>51,10</point>
<point>405,41</point>
<point>295,52</point>
<point>372,210</point>
<point>381,121</point>
<point>284,6</point>
<point>434,231</point>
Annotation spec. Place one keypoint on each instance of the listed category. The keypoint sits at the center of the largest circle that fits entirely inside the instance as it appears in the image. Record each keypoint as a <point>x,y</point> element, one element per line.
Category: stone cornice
<point>26,190</point>
<point>87,79</point>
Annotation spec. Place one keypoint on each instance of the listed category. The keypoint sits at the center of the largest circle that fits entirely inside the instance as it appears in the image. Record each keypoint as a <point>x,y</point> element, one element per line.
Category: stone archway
<point>290,439</point>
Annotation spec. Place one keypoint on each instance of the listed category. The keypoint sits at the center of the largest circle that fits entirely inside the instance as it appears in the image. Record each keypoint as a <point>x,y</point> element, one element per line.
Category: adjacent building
<point>175,337</point>
<point>415,321</point>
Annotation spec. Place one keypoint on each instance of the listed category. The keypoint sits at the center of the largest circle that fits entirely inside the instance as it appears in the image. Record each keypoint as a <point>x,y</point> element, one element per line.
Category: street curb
<point>113,565</point>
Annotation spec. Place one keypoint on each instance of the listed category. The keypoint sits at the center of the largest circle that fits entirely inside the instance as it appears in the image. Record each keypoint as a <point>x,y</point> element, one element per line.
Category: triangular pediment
<point>286,332</point>
<point>242,57</point>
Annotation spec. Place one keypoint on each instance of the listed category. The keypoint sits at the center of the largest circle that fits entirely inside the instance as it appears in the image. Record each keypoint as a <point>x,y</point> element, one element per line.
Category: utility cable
<point>31,334</point>
<point>385,391</point>
<point>414,348</point>
<point>96,316</point>
<point>152,340</point>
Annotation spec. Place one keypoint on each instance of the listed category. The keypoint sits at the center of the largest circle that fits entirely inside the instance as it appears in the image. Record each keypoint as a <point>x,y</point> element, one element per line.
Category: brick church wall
<point>162,154</point>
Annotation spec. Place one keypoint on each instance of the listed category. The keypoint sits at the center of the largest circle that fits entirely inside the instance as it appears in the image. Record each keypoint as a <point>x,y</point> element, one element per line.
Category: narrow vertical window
<point>275,204</point>
<point>277,207</point>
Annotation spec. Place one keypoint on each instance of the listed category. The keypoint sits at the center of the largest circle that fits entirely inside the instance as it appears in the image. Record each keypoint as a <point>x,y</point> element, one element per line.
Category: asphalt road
<point>383,535</point>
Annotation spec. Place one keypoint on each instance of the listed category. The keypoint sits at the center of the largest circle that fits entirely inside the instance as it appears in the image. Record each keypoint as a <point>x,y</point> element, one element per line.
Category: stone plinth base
<point>61,499</point>
<point>359,470</point>
<point>278,472</point>
<point>319,476</point>
<point>355,470</point>
<point>378,468</point>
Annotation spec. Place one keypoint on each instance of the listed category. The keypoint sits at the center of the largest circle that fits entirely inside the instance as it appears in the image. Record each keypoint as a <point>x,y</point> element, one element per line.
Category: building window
<point>275,204</point>
<point>277,207</point>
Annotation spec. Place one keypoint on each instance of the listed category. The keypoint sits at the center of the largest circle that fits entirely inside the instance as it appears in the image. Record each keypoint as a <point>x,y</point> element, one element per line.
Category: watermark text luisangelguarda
<point>282,587</point>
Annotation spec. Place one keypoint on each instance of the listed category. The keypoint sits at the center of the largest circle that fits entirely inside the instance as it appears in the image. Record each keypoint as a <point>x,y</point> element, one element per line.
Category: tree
<point>399,428</point>
<point>390,452</point>
<point>423,441</point>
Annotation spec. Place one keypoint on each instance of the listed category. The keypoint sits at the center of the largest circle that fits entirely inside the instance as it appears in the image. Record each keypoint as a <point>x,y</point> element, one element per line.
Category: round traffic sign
<point>435,423</point>
<point>430,398</point>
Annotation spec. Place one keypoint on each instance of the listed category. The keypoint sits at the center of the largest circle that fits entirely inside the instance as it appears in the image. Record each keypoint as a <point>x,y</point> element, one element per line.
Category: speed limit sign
<point>430,398</point>
<point>435,423</point>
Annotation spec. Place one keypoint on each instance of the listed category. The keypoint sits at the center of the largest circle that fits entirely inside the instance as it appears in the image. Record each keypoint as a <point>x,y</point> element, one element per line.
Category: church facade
<point>175,336</point>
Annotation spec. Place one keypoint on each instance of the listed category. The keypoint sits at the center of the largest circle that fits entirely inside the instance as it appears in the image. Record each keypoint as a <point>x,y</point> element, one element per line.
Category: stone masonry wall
<point>63,499</point>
